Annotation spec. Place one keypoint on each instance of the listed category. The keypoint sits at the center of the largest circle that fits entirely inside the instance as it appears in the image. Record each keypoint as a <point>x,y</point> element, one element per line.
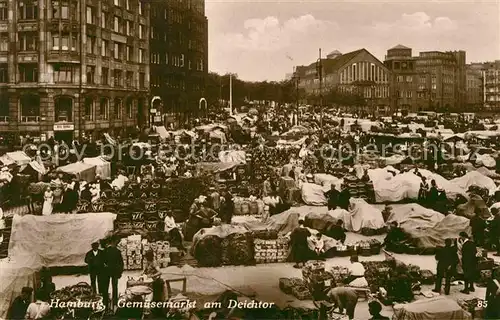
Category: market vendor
<point>356,269</point>
<point>173,231</point>
<point>333,197</point>
<point>318,243</point>
<point>20,304</point>
<point>227,207</point>
<point>344,199</point>
<point>299,245</point>
<point>152,270</point>
<point>344,298</point>
<point>478,228</point>
<point>266,187</point>
<point>336,231</point>
<point>395,235</point>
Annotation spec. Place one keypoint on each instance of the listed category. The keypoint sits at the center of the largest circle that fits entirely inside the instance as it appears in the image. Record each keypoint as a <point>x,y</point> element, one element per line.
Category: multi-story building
<point>179,56</point>
<point>491,82</point>
<point>73,66</point>
<point>357,72</point>
<point>404,79</point>
<point>474,87</point>
<point>442,80</point>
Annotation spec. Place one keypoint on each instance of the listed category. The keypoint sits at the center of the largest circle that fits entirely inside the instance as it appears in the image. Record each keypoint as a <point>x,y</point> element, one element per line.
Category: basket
<point>365,252</point>
<point>237,208</point>
<point>254,208</point>
<point>245,208</point>
<point>301,292</point>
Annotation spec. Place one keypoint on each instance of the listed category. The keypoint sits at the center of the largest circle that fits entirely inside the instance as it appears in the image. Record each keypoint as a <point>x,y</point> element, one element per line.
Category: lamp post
<point>296,81</point>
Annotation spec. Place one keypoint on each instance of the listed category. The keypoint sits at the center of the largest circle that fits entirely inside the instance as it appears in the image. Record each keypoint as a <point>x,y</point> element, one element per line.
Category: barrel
<point>245,208</point>
<point>254,208</point>
<point>152,225</point>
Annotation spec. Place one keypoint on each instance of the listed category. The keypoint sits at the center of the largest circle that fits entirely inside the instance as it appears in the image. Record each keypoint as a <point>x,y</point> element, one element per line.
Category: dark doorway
<point>141,116</point>
<point>64,136</point>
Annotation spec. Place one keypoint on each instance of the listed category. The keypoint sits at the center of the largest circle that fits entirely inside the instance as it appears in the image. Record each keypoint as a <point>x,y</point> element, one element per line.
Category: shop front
<point>64,132</point>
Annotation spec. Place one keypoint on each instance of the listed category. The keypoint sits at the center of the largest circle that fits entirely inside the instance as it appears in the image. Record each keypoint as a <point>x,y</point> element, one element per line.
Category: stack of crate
<point>122,246</point>
<point>266,251</point>
<point>161,250</point>
<point>134,252</point>
<point>283,248</point>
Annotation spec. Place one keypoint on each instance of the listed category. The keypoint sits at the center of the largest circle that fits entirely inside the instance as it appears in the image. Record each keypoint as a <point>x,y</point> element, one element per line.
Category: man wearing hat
<point>469,262</point>
<point>20,304</point>
<point>95,261</point>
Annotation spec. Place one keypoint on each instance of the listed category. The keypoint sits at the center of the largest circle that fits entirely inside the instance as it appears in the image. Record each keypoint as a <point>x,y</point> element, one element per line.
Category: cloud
<point>269,34</point>
<point>417,22</point>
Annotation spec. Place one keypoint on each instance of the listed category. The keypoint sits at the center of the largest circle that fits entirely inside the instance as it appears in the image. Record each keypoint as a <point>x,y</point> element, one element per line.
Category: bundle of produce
<point>238,249</point>
<point>414,272</point>
<point>312,268</point>
<point>208,251</point>
<point>373,232</point>
<point>346,250</point>
<point>301,292</point>
<point>364,248</point>
<point>265,234</point>
<point>340,274</point>
<point>287,284</point>
<point>134,253</point>
<point>376,273</point>
<point>266,251</point>
<point>283,249</point>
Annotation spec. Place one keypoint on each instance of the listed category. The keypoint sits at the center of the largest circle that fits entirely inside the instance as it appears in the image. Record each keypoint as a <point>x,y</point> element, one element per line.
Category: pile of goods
<point>370,247</point>
<point>376,274</point>
<point>77,302</point>
<point>296,287</point>
<point>238,249</point>
<point>340,274</point>
<point>360,189</point>
<point>134,247</point>
<point>317,278</point>
<point>271,251</point>
<point>161,251</point>
<point>248,206</point>
<point>474,306</point>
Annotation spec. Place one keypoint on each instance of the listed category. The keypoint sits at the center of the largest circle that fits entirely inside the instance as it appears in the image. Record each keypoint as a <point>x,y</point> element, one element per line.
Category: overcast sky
<point>264,40</point>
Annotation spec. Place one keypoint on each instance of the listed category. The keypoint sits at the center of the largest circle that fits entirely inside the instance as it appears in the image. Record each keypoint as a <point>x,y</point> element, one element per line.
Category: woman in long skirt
<point>47,203</point>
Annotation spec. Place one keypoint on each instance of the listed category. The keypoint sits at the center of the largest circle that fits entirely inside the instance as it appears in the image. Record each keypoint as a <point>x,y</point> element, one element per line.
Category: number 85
<point>482,304</point>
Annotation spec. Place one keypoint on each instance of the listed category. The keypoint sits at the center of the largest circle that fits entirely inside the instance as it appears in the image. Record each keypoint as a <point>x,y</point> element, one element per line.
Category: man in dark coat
<point>395,235</point>
<point>336,231</point>
<point>300,247</point>
<point>20,304</point>
<point>495,230</point>
<point>469,262</point>
<point>95,261</point>
<point>447,259</point>
<point>333,197</point>
<point>478,226</point>
<point>113,263</point>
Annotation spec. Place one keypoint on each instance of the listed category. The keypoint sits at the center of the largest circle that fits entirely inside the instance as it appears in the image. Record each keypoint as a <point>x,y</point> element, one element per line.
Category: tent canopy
<point>162,131</point>
<point>215,166</point>
<point>435,308</point>
<point>17,157</point>
<point>103,167</point>
<point>81,170</point>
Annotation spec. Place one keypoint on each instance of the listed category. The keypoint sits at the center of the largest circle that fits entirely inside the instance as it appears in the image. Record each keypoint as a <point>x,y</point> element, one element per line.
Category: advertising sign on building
<point>64,127</point>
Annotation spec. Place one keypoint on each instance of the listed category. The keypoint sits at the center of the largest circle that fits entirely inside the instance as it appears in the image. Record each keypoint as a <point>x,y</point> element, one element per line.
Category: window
<point>105,76</point>
<point>30,108</point>
<point>4,13</point>
<point>166,58</point>
<point>91,45</point>
<point>63,42</point>
<point>127,4</point>
<point>141,31</point>
<point>118,109</point>
<point>28,41</point>
<point>116,24</point>
<point>141,56</point>
<point>89,109</point>
<point>130,108</point>
<point>117,76</point>
<point>152,32</point>
<point>182,60</point>
<point>63,73</point>
<point>200,65</point>
<point>434,86</point>
<point>104,19</point>
<point>90,74</point>
<point>63,109</point>
<point>397,65</point>
<point>129,79</point>
<point>141,7</point>
<point>142,80</point>
<point>4,42</point>
<point>4,73</point>
<point>399,78</point>
<point>104,109</point>
<point>130,53</point>
<point>91,18</point>
<point>60,10</point>
<point>409,79</point>
<point>104,48</point>
<point>129,26</point>
<point>117,54</point>
<point>116,2</point>
<point>28,10</point>
<point>28,72</point>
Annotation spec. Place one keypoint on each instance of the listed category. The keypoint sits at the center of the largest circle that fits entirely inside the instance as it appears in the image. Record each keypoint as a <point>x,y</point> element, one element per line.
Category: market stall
<point>17,157</point>
<point>429,309</point>
<point>80,170</point>
<point>102,167</point>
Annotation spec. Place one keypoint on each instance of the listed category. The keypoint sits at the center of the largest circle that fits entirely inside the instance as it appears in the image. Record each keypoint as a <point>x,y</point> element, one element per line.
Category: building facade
<point>442,80</point>
<point>71,67</point>
<point>179,57</point>
<point>404,80</point>
<point>475,87</point>
<point>357,72</point>
<point>491,85</point>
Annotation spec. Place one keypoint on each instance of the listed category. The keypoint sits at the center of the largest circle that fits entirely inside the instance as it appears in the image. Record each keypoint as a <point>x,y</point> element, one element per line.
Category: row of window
<point>176,60</point>
<point>408,79</point>
<point>67,73</point>
<point>120,25</point>
<point>29,109</point>
<point>363,71</point>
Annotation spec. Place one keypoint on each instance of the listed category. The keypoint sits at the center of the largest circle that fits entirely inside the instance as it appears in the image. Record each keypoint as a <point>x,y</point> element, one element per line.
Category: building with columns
<point>73,67</point>
<point>358,72</point>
